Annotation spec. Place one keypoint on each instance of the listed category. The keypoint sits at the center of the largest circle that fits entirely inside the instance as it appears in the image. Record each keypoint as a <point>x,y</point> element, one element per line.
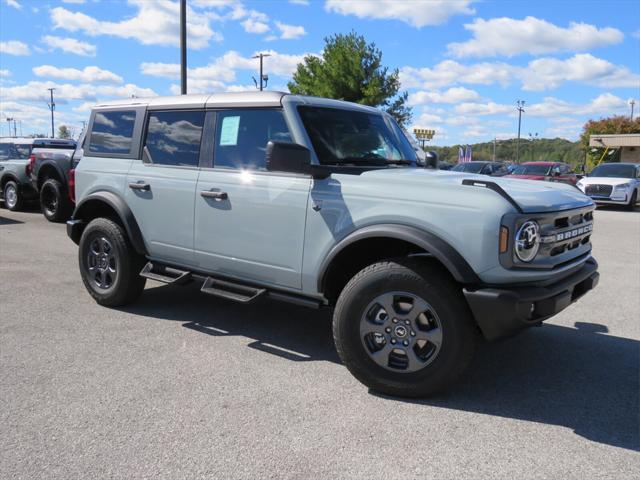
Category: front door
<point>161,187</point>
<point>249,223</point>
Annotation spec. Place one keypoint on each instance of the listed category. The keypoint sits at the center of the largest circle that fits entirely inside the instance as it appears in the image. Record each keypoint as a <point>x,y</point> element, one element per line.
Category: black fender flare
<point>7,176</point>
<point>46,165</point>
<point>120,207</point>
<point>434,245</point>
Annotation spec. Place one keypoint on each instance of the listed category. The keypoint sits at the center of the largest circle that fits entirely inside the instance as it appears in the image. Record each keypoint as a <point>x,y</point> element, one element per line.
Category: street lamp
<point>520,108</point>
<point>263,78</point>
<point>423,136</point>
<point>52,107</point>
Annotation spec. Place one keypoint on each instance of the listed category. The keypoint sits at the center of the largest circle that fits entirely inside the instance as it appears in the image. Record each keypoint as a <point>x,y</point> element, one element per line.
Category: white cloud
<point>14,4</point>
<point>509,37</point>
<point>290,32</point>
<point>155,23</point>
<point>539,74</point>
<point>254,26</point>
<point>478,109</point>
<point>14,47</point>
<point>550,73</point>
<point>222,70</point>
<point>70,45</point>
<point>4,73</point>
<point>452,95</point>
<point>66,92</point>
<point>77,2</point>
<point>636,34</point>
<point>427,120</point>
<point>300,2</point>
<point>416,13</point>
<point>91,74</point>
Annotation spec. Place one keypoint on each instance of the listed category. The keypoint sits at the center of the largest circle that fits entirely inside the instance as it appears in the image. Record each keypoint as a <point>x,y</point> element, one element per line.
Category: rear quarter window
<point>112,132</point>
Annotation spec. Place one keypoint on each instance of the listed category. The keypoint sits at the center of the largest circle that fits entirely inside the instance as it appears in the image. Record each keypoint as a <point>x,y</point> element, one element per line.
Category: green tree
<point>351,69</point>
<point>63,132</point>
<point>617,124</point>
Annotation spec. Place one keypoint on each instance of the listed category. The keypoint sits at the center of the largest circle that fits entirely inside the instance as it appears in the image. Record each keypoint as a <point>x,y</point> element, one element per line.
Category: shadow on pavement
<point>9,221</point>
<point>579,378</point>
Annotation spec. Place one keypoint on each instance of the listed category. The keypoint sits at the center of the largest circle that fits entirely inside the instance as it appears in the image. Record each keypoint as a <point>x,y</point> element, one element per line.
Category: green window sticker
<point>229,131</point>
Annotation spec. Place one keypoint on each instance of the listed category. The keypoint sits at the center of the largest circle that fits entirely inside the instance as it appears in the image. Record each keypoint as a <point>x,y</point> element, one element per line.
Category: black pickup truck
<point>50,171</point>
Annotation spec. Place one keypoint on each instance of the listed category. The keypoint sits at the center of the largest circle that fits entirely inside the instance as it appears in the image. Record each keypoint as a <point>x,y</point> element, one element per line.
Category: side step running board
<point>231,291</point>
<point>165,274</point>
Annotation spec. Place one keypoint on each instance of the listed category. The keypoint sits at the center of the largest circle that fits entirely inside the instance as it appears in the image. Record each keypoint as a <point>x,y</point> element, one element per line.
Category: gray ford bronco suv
<point>320,203</point>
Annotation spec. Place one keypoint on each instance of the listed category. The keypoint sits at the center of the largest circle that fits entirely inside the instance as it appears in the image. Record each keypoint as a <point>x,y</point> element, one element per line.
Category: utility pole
<point>20,127</point>
<point>263,78</point>
<point>632,103</point>
<point>183,47</point>
<point>52,107</point>
<point>495,140</point>
<point>9,120</point>
<point>520,108</point>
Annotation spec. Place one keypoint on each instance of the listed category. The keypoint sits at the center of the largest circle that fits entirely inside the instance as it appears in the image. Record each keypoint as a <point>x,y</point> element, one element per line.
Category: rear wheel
<point>403,328</point>
<point>109,265</point>
<point>55,204</point>
<point>13,199</point>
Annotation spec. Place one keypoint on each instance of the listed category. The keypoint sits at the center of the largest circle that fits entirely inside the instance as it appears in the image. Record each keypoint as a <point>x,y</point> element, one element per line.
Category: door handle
<point>140,186</point>
<point>214,194</point>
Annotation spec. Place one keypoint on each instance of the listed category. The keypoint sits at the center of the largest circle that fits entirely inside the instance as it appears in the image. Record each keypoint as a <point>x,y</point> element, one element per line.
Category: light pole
<point>532,139</point>
<point>52,107</point>
<point>264,78</point>
<point>9,120</point>
<point>183,47</point>
<point>632,103</point>
<point>495,141</point>
<point>520,108</point>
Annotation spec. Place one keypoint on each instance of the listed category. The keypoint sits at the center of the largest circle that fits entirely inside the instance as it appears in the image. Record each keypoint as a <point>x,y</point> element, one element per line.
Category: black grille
<point>599,190</point>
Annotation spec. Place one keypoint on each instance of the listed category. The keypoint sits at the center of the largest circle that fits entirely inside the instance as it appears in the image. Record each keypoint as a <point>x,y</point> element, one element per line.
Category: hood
<point>531,196</point>
<point>605,180</point>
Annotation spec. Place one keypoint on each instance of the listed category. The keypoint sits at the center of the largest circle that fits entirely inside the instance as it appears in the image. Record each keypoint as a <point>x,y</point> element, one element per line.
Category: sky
<point>464,63</point>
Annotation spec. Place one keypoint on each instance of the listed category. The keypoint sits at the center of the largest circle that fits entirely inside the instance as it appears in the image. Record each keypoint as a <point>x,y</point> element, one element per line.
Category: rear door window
<point>112,132</point>
<point>173,138</point>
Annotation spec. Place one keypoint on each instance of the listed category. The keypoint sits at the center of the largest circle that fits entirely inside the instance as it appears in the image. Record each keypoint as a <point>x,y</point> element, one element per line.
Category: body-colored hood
<point>531,196</point>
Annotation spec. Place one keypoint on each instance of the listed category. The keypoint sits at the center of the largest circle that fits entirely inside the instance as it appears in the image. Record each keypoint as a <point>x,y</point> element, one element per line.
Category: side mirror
<point>288,157</point>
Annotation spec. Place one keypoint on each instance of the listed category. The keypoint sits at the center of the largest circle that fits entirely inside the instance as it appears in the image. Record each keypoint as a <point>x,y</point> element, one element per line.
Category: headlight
<point>527,241</point>
<point>624,186</point>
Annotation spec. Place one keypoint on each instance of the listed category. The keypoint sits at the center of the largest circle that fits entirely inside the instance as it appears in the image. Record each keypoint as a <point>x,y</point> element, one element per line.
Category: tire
<point>55,204</point>
<point>424,283</point>
<point>109,265</point>
<point>632,202</point>
<point>13,199</point>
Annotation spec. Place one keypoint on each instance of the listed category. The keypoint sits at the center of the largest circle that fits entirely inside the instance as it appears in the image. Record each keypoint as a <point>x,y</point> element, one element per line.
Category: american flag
<point>465,154</point>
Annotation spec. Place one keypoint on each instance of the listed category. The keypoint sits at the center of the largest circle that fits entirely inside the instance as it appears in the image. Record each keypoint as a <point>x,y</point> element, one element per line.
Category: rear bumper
<point>503,311</point>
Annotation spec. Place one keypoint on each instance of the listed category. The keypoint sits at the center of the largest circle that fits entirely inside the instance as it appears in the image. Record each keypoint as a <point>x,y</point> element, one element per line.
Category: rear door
<point>249,223</point>
<point>160,188</point>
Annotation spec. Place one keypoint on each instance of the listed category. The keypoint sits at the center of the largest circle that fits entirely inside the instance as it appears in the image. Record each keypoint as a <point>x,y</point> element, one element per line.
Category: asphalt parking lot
<point>182,385</point>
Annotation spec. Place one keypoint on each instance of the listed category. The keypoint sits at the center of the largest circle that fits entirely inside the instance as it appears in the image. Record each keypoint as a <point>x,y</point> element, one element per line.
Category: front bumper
<point>74,230</point>
<point>503,311</point>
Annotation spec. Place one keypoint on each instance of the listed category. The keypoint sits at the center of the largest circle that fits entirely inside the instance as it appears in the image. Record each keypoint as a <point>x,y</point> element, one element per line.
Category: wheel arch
<point>108,205</point>
<point>7,177</point>
<point>50,170</point>
<point>377,242</point>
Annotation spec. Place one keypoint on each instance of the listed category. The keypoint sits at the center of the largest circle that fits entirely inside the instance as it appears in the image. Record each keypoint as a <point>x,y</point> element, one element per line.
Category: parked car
<point>548,171</point>
<point>320,203</point>
<point>15,188</point>
<point>613,183</point>
<point>494,169</point>
<point>50,166</point>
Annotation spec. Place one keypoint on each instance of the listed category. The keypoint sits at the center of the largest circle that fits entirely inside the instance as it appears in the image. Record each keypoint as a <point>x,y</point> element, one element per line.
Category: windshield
<point>531,170</point>
<point>614,171</point>
<point>350,137</point>
<point>23,150</point>
<point>469,167</point>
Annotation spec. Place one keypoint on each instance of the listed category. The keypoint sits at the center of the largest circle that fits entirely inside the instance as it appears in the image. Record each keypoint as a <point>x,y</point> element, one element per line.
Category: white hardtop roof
<point>230,99</point>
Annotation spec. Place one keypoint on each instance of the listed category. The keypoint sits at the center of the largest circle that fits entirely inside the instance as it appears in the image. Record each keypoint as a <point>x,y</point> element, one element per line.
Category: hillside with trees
<point>544,149</point>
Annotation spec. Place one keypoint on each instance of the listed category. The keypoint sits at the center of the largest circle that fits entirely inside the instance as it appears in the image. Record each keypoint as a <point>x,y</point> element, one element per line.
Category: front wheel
<point>402,327</point>
<point>109,265</point>
<point>13,199</point>
<point>633,201</point>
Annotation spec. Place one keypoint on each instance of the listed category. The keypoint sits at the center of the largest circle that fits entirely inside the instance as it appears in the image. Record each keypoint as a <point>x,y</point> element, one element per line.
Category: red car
<point>548,171</point>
